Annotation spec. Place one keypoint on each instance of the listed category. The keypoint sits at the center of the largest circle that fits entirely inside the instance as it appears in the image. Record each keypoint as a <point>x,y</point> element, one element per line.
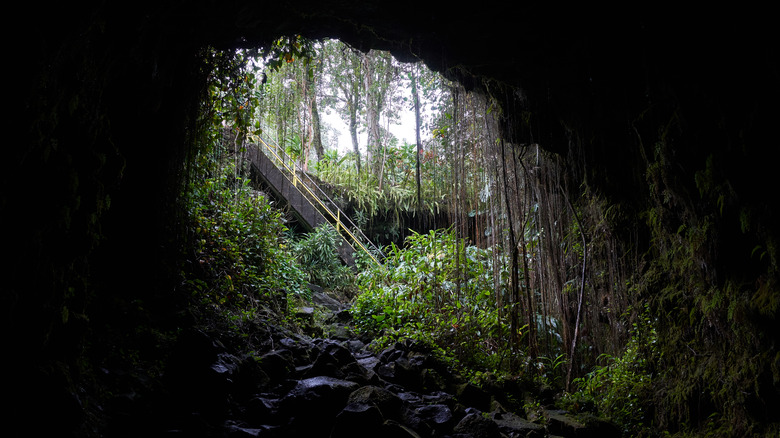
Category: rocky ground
<point>332,386</point>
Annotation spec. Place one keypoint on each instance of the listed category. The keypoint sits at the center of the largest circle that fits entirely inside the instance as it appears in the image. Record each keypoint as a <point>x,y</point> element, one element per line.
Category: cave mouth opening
<point>283,63</point>
<point>103,96</point>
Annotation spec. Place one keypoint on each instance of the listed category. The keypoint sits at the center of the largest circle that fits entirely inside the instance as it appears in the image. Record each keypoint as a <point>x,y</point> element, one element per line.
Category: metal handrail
<point>322,194</point>
<point>292,176</point>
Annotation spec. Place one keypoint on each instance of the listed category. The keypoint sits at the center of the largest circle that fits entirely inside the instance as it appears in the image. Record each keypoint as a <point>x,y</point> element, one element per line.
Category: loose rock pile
<point>331,387</point>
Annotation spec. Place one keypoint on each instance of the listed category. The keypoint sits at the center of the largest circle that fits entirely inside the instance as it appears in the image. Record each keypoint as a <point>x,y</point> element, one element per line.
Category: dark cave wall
<point>105,102</point>
<point>108,93</point>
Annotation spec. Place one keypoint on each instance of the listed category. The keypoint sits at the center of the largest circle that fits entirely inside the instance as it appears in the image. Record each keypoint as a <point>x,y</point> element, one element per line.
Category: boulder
<point>513,425</point>
<point>390,354</point>
<point>439,397</point>
<point>477,425</point>
<point>335,360</point>
<point>234,430</point>
<point>354,345</point>
<point>261,410</point>
<point>302,349</point>
<point>388,403</point>
<point>559,423</point>
<point>306,314</point>
<point>472,395</point>
<point>398,370</point>
<point>324,300</point>
<point>339,331</point>
<point>437,417</point>
<point>313,404</point>
<point>322,389</point>
<point>277,365</point>
<point>250,376</point>
<point>581,425</point>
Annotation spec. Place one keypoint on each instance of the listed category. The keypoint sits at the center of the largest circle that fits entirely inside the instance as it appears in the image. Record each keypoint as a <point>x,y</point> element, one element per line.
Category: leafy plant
<point>622,388</point>
<point>438,288</point>
<point>552,370</point>
<point>318,257</point>
<point>237,253</point>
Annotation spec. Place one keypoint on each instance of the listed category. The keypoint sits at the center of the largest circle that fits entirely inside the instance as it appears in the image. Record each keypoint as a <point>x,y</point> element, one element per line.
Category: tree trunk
<point>352,108</point>
<point>514,286</point>
<point>315,126</point>
<point>581,293</point>
<point>417,136</point>
<point>527,194</point>
<point>310,91</point>
<point>372,112</point>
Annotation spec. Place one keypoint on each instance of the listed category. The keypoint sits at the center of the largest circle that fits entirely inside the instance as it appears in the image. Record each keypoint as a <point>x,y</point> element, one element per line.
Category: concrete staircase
<point>310,206</point>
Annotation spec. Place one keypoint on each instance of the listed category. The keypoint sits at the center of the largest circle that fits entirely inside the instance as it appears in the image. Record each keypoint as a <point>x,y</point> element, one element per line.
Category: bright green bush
<point>394,192</point>
<point>317,253</point>
<point>237,250</point>
<point>622,390</point>
<point>438,289</point>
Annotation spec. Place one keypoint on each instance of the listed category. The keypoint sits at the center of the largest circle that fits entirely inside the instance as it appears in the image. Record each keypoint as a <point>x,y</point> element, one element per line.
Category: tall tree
<point>378,77</point>
<point>313,73</point>
<point>343,72</point>
<point>284,94</point>
<point>416,96</point>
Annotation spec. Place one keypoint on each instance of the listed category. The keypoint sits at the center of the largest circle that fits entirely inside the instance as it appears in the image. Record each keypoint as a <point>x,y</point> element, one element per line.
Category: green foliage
<point>286,50</point>
<point>397,192</point>
<point>236,254</point>
<point>440,290</point>
<point>622,389</point>
<point>552,370</point>
<point>237,250</point>
<point>361,88</point>
<point>317,254</point>
<point>715,299</point>
<point>230,101</point>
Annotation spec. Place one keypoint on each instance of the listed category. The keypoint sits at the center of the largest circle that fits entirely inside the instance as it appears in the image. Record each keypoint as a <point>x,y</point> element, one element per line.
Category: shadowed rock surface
<point>103,97</point>
<point>211,391</point>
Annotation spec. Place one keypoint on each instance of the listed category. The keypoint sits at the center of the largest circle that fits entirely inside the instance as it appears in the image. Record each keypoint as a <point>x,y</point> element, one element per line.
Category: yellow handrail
<point>336,218</point>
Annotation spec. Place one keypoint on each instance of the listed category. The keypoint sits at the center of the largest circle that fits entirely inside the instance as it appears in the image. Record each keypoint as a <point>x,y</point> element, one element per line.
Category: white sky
<point>404,131</point>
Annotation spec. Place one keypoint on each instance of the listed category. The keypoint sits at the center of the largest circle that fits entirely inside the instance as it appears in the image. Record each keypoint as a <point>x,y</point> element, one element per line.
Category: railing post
<point>282,165</point>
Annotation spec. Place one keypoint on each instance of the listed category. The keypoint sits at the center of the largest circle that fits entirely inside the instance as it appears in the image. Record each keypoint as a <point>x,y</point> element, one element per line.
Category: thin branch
<point>582,288</point>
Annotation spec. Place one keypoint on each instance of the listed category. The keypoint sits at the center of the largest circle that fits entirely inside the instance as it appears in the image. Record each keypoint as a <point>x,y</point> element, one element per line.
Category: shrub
<point>622,389</point>
<point>317,254</point>
<point>437,289</point>
<point>237,251</point>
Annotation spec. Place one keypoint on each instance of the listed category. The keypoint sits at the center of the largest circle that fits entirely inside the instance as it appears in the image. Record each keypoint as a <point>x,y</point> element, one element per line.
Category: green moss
<point>713,344</point>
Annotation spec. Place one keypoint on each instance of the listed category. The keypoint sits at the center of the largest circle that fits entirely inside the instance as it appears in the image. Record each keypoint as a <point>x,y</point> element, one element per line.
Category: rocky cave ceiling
<point>582,71</point>
<point>583,66</point>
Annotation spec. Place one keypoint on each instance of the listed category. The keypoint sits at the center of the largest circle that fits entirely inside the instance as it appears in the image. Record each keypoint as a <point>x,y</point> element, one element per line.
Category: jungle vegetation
<point>617,308</point>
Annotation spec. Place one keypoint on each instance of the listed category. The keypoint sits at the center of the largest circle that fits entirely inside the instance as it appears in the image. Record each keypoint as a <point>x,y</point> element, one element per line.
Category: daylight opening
<point>392,187</point>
